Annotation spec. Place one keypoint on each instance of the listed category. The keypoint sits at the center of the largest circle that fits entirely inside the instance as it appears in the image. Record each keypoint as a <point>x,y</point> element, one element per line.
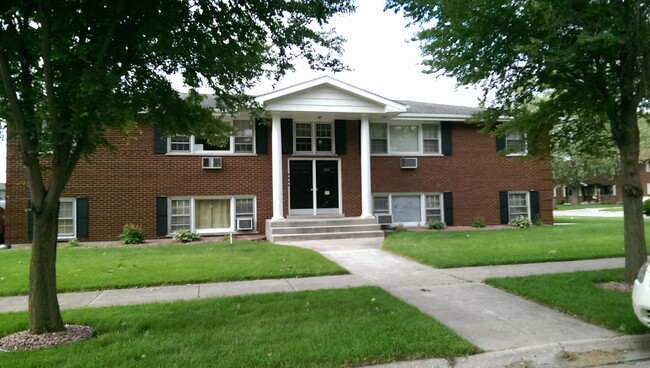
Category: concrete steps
<point>318,228</point>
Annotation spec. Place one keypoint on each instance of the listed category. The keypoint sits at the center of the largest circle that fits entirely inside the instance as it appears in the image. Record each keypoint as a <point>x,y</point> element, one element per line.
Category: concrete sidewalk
<point>510,329</point>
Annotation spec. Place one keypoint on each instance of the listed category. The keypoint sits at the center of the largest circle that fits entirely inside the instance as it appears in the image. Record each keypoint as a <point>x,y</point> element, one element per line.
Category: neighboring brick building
<point>330,149</point>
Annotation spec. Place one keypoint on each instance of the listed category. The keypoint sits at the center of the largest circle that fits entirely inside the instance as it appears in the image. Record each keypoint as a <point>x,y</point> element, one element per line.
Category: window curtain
<point>212,214</point>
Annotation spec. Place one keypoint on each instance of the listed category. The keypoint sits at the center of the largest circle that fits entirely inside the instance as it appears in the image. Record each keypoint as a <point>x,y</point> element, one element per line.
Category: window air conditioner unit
<point>408,162</point>
<point>385,219</point>
<point>211,162</point>
<point>245,223</point>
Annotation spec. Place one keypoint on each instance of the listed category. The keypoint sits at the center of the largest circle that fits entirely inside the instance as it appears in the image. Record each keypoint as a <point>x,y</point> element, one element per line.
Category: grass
<point>111,268</point>
<point>578,294</point>
<point>565,207</point>
<point>587,238</point>
<point>345,327</point>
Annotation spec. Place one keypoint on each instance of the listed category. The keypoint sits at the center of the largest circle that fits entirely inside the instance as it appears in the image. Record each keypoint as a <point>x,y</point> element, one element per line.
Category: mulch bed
<point>25,340</point>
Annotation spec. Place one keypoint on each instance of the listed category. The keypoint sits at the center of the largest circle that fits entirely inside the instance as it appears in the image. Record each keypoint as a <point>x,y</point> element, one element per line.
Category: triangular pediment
<point>328,95</point>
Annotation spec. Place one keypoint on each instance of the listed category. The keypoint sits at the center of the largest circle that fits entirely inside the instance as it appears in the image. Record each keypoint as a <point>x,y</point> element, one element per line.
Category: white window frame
<point>195,148</point>
<point>233,213</point>
<point>423,205</point>
<point>420,139</point>
<point>314,138</point>
<point>72,235</point>
<point>522,138</point>
<point>425,208</point>
<point>527,194</point>
<point>647,166</point>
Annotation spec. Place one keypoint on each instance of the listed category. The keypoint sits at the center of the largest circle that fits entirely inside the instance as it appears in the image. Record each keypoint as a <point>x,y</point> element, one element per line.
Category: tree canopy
<point>565,72</point>
<point>71,70</point>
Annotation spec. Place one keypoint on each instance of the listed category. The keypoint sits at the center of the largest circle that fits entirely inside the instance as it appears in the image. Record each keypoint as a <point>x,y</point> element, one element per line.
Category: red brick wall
<point>474,173</point>
<point>122,186</point>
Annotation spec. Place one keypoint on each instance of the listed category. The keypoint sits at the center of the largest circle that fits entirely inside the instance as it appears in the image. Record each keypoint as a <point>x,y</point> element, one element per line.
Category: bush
<point>73,243</point>
<point>478,222</point>
<point>646,207</point>
<point>132,234</point>
<point>436,225</point>
<point>399,229</point>
<point>520,222</point>
<point>186,236</point>
<point>538,221</point>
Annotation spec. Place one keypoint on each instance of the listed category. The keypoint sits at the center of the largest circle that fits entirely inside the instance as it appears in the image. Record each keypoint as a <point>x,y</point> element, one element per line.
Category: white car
<point>641,295</point>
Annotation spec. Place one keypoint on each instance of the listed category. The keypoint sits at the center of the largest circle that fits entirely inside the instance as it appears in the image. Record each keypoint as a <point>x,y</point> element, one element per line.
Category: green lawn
<point>587,238</point>
<point>577,294</point>
<point>109,268</point>
<point>329,328</point>
<point>565,207</point>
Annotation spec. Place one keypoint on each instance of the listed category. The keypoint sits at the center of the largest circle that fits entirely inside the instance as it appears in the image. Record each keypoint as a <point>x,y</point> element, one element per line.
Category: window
<point>244,136</point>
<point>413,138</point>
<point>179,215</point>
<point>517,205</point>
<point>433,208</point>
<point>378,138</point>
<point>409,208</point>
<point>208,215</point>
<point>314,137</point>
<point>380,205</point>
<point>244,207</point>
<point>242,141</point>
<point>179,144</point>
<point>608,190</point>
<point>430,141</point>
<point>66,228</point>
<point>515,143</point>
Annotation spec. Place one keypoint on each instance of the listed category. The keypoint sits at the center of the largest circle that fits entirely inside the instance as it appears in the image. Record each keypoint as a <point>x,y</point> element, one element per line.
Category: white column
<point>366,190</point>
<point>276,167</point>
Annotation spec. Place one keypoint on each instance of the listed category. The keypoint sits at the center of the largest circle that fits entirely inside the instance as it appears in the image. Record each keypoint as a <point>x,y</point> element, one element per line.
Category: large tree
<point>71,70</point>
<point>589,59</point>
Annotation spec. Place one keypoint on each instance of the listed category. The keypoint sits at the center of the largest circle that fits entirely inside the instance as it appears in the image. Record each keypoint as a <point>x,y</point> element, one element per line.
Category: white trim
<point>366,178</point>
<point>613,189</point>
<point>276,168</point>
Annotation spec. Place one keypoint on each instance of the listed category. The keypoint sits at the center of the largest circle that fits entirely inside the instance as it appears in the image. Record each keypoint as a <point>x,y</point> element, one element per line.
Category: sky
<point>382,60</point>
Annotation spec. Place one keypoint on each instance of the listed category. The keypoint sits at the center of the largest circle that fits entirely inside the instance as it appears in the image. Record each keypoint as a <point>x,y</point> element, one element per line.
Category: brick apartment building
<point>329,150</point>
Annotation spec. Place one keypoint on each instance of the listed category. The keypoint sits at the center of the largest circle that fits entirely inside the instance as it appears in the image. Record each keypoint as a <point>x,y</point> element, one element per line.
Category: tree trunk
<point>634,229</point>
<point>44,312</point>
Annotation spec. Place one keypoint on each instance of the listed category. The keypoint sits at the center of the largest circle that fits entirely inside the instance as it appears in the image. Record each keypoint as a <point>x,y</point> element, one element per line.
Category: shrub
<point>132,234</point>
<point>520,222</point>
<point>399,229</point>
<point>646,207</point>
<point>478,222</point>
<point>186,236</point>
<point>436,225</point>
<point>73,243</point>
<point>537,221</point>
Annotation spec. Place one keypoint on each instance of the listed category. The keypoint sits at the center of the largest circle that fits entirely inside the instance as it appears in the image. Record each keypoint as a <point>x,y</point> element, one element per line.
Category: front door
<point>313,187</point>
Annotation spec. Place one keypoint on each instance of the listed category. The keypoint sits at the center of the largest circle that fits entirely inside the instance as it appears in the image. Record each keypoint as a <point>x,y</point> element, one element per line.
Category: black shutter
<point>261,137</point>
<point>448,203</point>
<point>159,142</point>
<point>161,216</point>
<point>445,132</point>
<point>340,136</point>
<point>82,218</point>
<point>287,136</point>
<point>534,205</point>
<point>30,221</point>
<point>503,206</point>
<point>501,143</point>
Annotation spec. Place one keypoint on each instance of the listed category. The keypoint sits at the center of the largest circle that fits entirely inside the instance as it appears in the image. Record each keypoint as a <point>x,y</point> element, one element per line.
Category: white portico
<point>303,128</point>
